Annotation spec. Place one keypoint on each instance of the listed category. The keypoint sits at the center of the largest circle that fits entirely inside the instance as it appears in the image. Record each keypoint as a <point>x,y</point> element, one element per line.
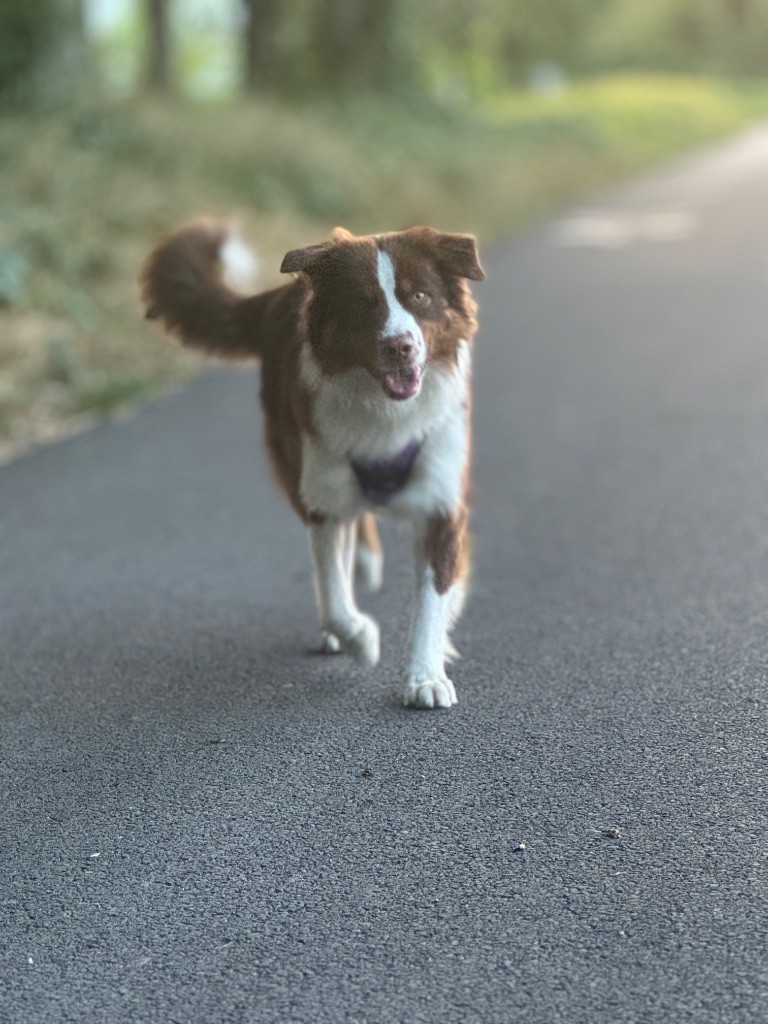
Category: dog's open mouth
<point>405,382</point>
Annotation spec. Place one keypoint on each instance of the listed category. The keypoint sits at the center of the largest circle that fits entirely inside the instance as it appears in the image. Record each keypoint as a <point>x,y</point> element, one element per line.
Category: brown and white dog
<point>366,391</point>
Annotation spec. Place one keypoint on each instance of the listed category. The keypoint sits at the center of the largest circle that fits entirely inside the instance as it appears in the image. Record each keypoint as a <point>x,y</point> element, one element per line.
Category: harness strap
<point>381,479</point>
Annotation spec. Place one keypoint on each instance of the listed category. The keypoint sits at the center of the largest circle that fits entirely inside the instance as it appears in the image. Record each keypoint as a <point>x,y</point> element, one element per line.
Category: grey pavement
<point>203,821</point>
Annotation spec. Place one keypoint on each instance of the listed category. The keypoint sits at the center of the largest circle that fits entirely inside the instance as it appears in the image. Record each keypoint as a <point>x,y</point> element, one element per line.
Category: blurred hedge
<point>42,51</point>
<point>89,190</point>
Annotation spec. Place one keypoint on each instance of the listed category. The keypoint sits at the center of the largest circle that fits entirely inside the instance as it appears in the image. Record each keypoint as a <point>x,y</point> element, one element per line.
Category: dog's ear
<point>304,259</point>
<point>459,254</point>
<point>456,253</point>
<point>341,235</point>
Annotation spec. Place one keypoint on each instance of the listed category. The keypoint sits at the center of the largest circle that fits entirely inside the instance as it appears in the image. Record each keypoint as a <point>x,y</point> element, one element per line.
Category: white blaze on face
<point>399,320</point>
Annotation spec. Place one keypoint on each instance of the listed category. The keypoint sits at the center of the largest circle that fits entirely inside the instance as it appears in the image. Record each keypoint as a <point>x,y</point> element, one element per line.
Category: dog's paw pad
<point>363,645</point>
<point>430,693</point>
<point>330,644</point>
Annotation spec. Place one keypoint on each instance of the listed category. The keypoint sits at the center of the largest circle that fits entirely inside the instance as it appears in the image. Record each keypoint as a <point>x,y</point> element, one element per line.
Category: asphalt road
<point>202,821</point>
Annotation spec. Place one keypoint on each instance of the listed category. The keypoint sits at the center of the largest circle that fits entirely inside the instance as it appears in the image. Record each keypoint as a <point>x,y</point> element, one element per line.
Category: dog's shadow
<point>252,661</point>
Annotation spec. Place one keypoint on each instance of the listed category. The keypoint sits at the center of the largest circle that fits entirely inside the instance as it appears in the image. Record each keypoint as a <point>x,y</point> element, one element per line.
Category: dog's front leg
<point>330,540</point>
<point>441,568</point>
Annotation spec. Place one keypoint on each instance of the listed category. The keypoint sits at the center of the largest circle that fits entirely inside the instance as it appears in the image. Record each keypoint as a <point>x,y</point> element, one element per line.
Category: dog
<point>365,385</point>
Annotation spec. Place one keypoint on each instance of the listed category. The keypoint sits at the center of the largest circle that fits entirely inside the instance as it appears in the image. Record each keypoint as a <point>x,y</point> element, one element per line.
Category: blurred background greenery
<point>119,118</point>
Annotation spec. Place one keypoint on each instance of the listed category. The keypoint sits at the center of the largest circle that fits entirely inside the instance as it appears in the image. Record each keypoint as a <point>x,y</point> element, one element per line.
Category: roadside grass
<point>85,195</point>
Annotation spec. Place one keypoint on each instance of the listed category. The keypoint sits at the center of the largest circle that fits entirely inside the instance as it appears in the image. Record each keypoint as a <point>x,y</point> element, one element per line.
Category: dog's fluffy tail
<point>186,284</point>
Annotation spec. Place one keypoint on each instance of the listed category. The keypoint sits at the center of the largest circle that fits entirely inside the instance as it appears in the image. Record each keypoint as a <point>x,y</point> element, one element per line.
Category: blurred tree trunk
<point>80,38</point>
<point>42,51</point>
<point>381,56</point>
<point>263,68</point>
<point>335,33</point>
<point>158,38</point>
<point>356,45</point>
<point>79,20</point>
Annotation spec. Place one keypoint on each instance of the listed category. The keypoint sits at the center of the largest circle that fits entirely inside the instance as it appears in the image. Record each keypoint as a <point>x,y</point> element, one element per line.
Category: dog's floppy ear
<point>456,254</point>
<point>304,259</point>
<point>459,254</point>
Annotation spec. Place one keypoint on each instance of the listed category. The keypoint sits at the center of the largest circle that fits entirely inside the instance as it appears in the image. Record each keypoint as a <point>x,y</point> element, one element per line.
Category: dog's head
<point>391,304</point>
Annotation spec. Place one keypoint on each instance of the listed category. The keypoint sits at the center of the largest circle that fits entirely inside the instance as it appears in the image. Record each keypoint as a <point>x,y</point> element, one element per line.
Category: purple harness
<point>380,479</point>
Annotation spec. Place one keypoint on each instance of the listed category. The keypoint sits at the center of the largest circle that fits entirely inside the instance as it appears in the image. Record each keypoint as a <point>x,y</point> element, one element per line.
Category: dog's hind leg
<point>369,557</point>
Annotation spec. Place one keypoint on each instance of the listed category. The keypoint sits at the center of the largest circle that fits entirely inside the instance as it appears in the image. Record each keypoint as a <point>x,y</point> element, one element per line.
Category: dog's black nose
<point>399,346</point>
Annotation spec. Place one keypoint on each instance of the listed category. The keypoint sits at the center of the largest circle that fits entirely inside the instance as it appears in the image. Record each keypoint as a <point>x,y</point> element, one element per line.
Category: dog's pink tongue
<point>403,383</point>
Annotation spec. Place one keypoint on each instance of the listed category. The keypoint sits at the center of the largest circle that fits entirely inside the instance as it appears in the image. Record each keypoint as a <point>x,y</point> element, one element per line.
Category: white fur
<point>354,418</point>
<point>399,320</point>
<point>240,264</point>
<point>358,560</point>
<point>340,617</point>
<point>369,567</point>
<point>330,644</point>
<point>426,683</point>
<point>361,562</point>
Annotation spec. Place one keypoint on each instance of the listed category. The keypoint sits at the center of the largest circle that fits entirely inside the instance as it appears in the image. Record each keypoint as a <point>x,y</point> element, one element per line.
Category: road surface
<point>202,821</point>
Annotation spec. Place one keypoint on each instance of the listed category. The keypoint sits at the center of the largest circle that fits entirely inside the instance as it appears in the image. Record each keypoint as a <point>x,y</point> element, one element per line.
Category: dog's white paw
<point>330,644</point>
<point>430,693</point>
<point>364,646</point>
<point>360,638</point>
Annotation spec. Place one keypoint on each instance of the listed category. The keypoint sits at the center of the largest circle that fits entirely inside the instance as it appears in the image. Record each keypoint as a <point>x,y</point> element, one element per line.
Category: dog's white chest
<point>356,423</point>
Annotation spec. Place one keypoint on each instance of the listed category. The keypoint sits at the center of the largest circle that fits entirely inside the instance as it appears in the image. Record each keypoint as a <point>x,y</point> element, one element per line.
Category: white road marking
<point>617,229</point>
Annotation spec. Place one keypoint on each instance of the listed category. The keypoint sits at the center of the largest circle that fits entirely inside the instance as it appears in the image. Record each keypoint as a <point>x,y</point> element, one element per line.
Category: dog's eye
<point>420,297</point>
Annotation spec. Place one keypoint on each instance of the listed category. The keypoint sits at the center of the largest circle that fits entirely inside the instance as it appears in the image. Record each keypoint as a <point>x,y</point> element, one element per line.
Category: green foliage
<point>624,118</point>
<point>726,36</point>
<point>407,113</point>
<point>64,364</point>
<point>87,193</point>
<point>115,392</point>
<point>14,270</point>
<point>26,36</point>
<point>452,51</point>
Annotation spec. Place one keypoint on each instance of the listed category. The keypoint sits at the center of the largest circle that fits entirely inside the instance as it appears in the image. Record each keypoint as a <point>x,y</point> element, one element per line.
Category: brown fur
<point>448,313</point>
<point>344,306</point>
<point>335,304</point>
<point>367,533</point>
<point>447,548</point>
<point>181,287</point>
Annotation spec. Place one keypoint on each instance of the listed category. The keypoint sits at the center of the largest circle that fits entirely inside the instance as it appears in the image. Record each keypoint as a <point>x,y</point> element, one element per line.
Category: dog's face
<point>391,304</point>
